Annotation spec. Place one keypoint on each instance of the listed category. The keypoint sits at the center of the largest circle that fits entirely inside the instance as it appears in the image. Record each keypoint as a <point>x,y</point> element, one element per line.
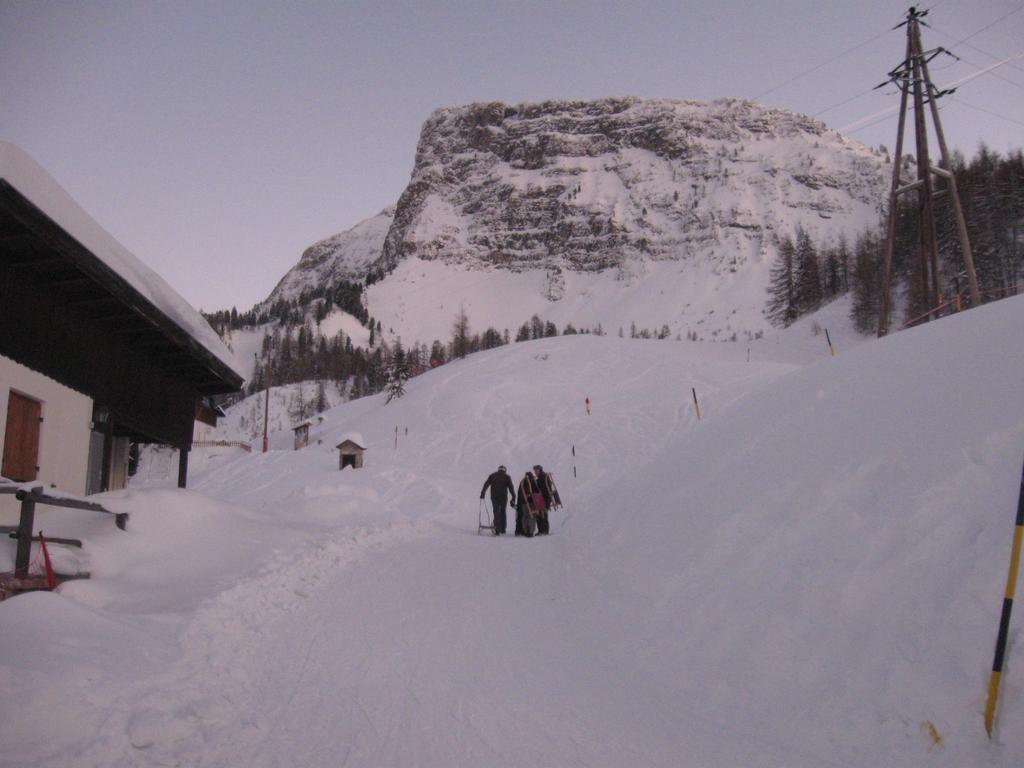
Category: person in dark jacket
<point>526,513</point>
<point>546,486</point>
<point>501,485</point>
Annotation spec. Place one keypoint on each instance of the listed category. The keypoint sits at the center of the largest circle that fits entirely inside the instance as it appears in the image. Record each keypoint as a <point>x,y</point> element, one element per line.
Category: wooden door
<point>21,439</point>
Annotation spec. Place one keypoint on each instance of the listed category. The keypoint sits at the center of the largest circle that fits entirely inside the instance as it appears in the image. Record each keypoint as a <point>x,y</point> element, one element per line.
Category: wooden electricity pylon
<point>912,78</point>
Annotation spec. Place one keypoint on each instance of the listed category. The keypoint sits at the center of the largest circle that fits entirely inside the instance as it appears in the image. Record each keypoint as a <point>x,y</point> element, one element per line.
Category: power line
<point>979,50</point>
<point>958,100</point>
<point>816,67</point>
<point>841,103</point>
<point>996,74</point>
<point>862,123</point>
<point>1018,9</point>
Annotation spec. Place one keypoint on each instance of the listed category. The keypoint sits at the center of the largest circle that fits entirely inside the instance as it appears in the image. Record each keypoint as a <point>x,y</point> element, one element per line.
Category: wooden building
<point>96,350</point>
<point>302,434</point>
<point>350,452</point>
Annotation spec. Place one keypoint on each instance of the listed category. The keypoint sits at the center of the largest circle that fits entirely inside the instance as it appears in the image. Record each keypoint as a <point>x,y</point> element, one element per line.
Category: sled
<point>528,499</point>
<point>529,523</point>
<point>484,519</point>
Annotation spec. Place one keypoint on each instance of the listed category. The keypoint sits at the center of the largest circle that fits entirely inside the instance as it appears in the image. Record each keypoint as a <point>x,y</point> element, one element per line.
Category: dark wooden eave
<point>42,254</point>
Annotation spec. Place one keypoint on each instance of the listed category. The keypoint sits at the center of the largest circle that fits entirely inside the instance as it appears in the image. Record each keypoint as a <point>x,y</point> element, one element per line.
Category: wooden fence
<point>222,444</point>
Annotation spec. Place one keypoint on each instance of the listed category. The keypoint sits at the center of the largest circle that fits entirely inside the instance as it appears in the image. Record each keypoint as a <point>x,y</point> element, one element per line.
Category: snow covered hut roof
<point>31,181</point>
<point>352,437</point>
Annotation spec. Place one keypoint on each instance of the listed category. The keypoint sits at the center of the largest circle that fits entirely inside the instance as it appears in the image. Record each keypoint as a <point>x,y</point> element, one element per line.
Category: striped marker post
<point>1004,621</point>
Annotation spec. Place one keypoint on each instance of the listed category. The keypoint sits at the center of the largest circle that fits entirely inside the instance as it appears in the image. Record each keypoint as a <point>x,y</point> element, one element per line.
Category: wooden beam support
<point>183,466</point>
<point>25,525</point>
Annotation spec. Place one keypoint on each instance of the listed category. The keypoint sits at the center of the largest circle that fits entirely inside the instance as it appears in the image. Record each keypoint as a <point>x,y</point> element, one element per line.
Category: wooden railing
<point>957,304</point>
<point>29,497</point>
<point>222,444</point>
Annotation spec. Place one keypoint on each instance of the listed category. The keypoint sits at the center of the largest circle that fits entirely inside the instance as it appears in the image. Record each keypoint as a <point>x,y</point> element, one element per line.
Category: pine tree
<point>460,334</point>
<point>865,283</point>
<point>491,339</point>
<point>437,354</point>
<point>831,282</point>
<point>398,374</point>
<point>321,397</point>
<point>808,274</point>
<point>782,307</point>
<point>536,328</point>
<point>376,375</point>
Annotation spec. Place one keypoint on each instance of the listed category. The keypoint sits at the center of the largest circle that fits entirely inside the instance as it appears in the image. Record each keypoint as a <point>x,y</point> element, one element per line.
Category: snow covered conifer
<point>460,334</point>
<point>782,306</point>
<point>864,283</point>
<point>398,374</point>
<point>321,397</point>
<point>808,274</point>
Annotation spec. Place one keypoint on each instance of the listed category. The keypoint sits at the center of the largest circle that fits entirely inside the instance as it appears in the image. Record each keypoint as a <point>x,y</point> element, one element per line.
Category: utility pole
<point>912,78</point>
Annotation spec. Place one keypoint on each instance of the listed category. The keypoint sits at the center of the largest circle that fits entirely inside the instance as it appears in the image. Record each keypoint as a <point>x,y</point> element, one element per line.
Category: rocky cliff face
<point>588,185</point>
<point>345,256</point>
<point>654,210</point>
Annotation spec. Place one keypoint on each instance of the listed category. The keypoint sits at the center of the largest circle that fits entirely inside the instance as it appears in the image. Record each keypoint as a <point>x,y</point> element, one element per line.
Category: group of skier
<point>536,495</point>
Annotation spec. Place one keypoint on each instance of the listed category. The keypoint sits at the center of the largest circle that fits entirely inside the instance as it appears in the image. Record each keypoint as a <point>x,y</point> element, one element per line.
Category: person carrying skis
<point>501,485</point>
<point>526,510</point>
<point>546,486</point>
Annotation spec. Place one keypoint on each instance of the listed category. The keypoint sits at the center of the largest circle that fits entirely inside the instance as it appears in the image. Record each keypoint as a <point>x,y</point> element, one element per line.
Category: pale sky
<point>217,140</point>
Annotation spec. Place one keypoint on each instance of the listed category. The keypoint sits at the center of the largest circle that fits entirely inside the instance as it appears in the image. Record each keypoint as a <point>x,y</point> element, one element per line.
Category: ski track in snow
<point>197,712</point>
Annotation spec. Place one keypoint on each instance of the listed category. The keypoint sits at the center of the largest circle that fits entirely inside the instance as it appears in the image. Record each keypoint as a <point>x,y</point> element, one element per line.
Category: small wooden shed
<point>302,434</point>
<point>350,452</point>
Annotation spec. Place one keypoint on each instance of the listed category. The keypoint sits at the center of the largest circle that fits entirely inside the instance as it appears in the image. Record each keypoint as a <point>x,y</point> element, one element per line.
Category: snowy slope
<point>810,575</point>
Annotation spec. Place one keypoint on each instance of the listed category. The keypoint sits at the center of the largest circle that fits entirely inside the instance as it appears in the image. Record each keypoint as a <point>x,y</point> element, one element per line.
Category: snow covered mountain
<point>345,256</point>
<point>614,211</point>
<point>589,185</point>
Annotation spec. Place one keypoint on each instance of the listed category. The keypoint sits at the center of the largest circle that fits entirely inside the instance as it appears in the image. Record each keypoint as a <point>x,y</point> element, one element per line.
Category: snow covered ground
<point>810,575</point>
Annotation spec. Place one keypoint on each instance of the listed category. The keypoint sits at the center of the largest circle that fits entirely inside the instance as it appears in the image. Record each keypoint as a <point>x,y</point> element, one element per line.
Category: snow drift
<point>809,575</point>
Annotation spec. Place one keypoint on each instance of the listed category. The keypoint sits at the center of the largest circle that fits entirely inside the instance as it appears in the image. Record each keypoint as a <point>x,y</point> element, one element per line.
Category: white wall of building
<point>63,435</point>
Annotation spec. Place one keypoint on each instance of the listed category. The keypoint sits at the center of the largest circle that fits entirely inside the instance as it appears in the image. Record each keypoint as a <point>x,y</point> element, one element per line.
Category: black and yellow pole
<point>695,403</point>
<point>1004,621</point>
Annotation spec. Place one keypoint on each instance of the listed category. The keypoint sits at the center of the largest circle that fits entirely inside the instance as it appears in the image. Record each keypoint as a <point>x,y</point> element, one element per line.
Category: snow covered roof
<point>352,437</point>
<point>29,179</point>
